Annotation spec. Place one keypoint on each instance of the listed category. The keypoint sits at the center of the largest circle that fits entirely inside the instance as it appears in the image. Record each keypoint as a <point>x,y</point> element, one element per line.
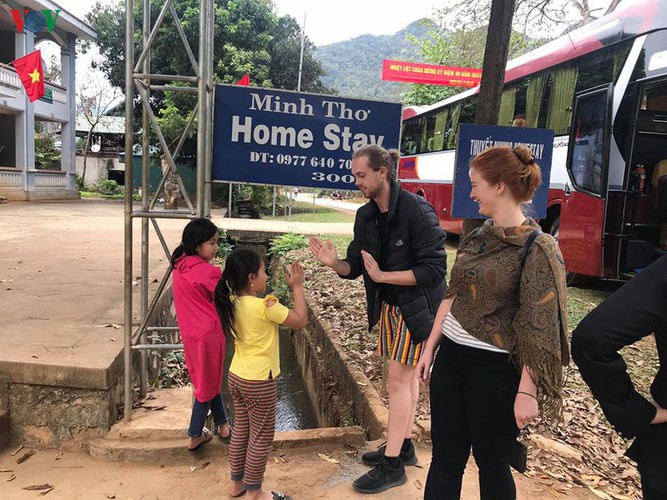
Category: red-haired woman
<point>500,331</point>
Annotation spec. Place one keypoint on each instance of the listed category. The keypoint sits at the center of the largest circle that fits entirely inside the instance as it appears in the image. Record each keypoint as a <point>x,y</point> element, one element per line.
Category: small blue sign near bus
<point>473,139</point>
<point>266,136</point>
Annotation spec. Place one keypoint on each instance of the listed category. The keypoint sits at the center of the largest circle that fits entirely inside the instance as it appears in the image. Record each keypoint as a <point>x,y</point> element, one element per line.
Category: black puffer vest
<point>416,242</point>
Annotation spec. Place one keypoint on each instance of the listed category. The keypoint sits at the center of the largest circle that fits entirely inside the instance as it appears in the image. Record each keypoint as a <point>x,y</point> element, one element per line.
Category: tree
<point>453,45</point>
<point>248,38</point>
<point>93,100</point>
<point>495,59</point>
<point>457,35</point>
<point>52,70</point>
<point>532,17</point>
<point>493,73</point>
<point>285,49</point>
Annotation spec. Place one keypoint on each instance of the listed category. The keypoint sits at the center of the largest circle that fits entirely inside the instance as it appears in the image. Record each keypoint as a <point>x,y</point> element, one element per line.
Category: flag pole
<point>303,42</point>
<point>298,84</point>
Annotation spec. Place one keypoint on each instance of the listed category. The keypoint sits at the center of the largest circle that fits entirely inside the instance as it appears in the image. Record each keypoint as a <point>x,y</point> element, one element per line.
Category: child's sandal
<point>207,437</point>
<point>224,439</point>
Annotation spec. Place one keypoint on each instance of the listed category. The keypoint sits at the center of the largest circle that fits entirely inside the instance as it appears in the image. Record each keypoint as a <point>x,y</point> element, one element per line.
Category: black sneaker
<point>381,477</point>
<point>373,457</point>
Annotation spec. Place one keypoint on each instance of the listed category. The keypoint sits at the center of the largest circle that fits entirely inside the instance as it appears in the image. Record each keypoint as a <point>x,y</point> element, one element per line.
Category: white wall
<point>96,167</point>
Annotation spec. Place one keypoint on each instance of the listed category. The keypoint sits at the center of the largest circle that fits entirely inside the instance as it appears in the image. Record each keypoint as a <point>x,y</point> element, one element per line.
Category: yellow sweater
<point>257,347</point>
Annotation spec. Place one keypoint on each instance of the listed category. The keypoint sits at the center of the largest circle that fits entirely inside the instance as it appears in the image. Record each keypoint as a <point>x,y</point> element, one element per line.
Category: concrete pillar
<point>68,128</point>
<point>25,121</point>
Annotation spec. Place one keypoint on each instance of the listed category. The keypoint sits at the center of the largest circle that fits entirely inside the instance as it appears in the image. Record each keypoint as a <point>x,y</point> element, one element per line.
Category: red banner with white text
<point>430,74</point>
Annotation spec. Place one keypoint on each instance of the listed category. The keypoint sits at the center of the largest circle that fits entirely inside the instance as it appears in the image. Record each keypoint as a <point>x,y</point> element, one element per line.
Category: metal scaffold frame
<point>138,77</point>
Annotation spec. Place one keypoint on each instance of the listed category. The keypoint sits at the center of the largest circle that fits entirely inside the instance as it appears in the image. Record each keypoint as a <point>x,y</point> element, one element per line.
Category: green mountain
<point>354,67</point>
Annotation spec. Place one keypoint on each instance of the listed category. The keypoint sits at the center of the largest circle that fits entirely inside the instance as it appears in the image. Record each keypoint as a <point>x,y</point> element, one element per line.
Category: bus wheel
<point>571,279</point>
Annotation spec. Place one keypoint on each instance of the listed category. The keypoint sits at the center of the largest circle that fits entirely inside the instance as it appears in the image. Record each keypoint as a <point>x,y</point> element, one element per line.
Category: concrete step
<point>5,434</point>
<point>157,433</point>
<point>170,450</point>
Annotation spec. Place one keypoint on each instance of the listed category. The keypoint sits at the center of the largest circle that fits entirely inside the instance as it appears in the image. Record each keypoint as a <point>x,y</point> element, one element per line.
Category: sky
<point>333,21</point>
<point>330,21</point>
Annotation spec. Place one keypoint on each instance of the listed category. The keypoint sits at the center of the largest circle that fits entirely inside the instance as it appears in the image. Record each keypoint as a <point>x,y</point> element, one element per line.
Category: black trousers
<point>472,395</point>
<point>650,493</point>
<point>636,310</point>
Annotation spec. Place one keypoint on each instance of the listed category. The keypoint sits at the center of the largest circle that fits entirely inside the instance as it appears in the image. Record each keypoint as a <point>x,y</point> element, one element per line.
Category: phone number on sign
<point>309,162</point>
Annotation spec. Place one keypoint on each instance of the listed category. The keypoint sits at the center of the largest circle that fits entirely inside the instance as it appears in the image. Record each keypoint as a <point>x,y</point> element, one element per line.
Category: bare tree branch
<point>612,6</point>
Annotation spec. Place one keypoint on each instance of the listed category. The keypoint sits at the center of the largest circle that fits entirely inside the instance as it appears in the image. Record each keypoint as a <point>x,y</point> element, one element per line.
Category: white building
<point>19,180</point>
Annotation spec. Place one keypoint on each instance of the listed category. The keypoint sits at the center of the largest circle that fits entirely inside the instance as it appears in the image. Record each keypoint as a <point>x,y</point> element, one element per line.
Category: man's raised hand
<point>324,251</point>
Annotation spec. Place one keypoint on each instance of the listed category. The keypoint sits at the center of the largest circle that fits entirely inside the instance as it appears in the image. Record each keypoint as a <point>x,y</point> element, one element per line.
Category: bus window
<point>651,141</point>
<point>468,108</point>
<point>427,141</point>
<point>520,106</point>
<point>653,59</point>
<point>534,98</point>
<point>452,131</point>
<point>559,114</point>
<point>440,127</point>
<point>624,121</point>
<point>465,113</point>
<point>588,147</point>
<point>507,102</point>
<point>411,135</point>
<point>595,71</point>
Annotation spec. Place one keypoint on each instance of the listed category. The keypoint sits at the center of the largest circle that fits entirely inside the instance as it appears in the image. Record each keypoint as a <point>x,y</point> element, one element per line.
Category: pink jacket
<point>194,281</point>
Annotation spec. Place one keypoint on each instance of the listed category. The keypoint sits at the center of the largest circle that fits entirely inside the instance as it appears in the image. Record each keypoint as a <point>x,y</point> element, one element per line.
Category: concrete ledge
<point>57,375</point>
<point>60,416</point>
<point>52,194</point>
<point>165,451</point>
<point>336,385</point>
<point>342,393</point>
<point>175,449</point>
<point>353,435</point>
<point>158,430</point>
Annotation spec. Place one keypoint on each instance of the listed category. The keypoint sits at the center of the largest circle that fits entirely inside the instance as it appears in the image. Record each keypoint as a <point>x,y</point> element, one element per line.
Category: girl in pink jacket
<point>194,280</point>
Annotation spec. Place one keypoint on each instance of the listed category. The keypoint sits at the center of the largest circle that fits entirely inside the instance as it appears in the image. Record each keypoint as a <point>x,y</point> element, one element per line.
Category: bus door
<point>582,217</point>
<point>644,223</point>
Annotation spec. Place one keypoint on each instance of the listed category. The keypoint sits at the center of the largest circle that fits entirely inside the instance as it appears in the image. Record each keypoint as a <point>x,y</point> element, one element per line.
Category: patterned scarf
<point>521,311</point>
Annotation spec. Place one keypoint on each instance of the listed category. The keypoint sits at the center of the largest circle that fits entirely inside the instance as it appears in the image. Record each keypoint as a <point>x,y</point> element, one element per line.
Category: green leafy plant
<point>47,157</point>
<point>80,186</point>
<point>280,245</point>
<point>108,187</point>
<point>278,283</point>
<point>225,244</point>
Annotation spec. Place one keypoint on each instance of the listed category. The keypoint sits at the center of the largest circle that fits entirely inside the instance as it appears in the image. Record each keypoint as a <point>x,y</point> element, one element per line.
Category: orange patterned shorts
<point>394,339</point>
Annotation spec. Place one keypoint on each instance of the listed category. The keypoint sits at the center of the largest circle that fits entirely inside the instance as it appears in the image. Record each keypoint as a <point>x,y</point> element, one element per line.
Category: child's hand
<point>294,275</point>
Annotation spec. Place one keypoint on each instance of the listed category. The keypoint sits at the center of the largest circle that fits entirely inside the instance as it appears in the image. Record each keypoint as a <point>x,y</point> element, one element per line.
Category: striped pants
<point>253,430</point>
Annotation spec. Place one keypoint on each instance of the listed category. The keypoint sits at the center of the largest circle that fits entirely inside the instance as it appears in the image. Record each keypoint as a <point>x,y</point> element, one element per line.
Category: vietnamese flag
<point>244,81</point>
<point>29,69</point>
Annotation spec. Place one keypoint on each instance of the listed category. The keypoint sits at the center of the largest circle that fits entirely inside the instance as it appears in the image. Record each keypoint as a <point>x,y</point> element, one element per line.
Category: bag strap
<point>529,243</point>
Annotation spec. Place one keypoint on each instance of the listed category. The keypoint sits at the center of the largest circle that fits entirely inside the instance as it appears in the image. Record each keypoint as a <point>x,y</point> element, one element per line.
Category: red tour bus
<point>603,90</point>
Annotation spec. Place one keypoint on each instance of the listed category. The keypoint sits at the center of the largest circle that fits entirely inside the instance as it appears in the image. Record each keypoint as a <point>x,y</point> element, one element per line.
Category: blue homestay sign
<point>473,139</point>
<point>267,136</point>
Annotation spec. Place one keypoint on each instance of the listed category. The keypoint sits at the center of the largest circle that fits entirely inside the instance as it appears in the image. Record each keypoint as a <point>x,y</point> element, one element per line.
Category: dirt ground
<point>302,473</point>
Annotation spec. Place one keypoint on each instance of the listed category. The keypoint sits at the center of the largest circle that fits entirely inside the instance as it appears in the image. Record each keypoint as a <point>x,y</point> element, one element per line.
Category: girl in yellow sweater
<point>253,323</point>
